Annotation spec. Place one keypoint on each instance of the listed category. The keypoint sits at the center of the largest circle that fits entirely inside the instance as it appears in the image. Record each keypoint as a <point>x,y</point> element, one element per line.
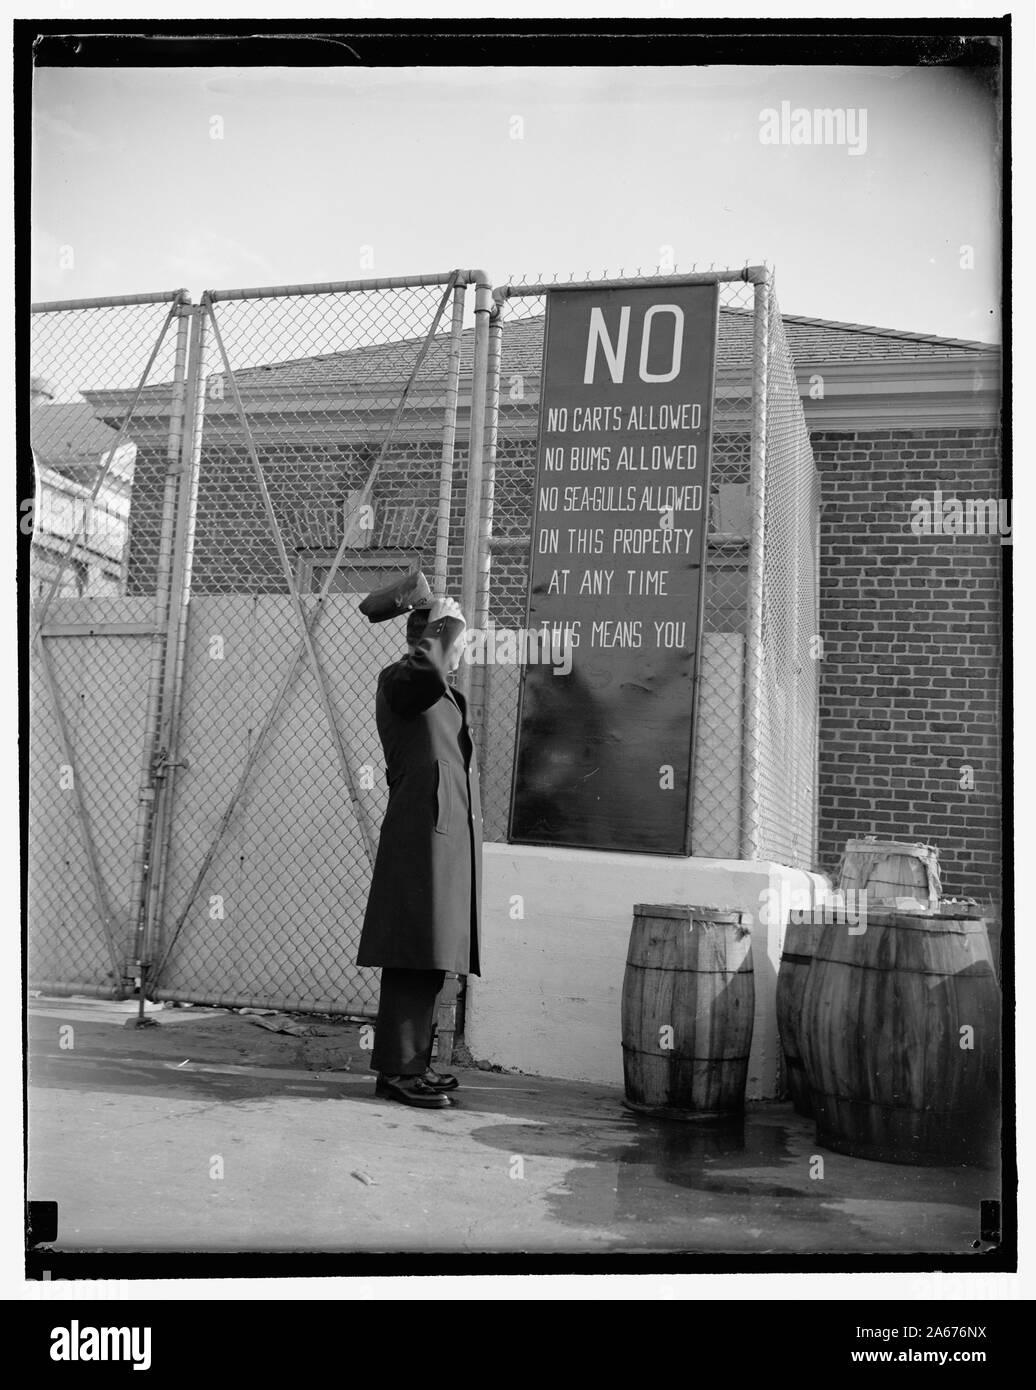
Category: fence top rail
<point>749,274</point>
<point>389,282</point>
<point>110,301</point>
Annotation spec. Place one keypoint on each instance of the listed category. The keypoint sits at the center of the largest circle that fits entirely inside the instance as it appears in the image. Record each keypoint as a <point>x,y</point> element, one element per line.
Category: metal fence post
<point>449,437</point>
<point>450,1011</point>
<point>176,636</point>
<point>750,810</point>
<point>476,455</point>
<point>481,680</point>
<point>485,530</point>
<point>159,641</point>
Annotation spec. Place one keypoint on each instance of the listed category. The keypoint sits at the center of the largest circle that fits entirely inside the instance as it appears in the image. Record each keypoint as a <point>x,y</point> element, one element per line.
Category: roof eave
<point>923,394</point>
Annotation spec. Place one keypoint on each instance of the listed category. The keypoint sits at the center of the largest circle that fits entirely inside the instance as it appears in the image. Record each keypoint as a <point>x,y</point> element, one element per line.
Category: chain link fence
<point>789,708</point>
<point>217,486</point>
<point>788,703</point>
<point>97,638</point>
<point>325,461</point>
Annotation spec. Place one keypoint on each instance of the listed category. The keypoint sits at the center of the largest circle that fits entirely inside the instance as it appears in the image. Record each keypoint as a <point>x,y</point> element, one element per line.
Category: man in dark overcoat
<point>423,911</point>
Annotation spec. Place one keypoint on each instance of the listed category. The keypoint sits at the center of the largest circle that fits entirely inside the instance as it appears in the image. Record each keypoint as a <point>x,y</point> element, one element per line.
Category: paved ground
<point>207,1132</point>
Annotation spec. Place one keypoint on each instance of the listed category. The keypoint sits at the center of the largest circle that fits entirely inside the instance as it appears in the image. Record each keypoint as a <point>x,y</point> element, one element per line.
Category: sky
<point>219,178</point>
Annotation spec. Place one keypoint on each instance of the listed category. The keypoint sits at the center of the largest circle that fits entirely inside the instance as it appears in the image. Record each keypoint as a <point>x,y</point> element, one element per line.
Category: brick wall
<point>911,626</point>
<point>234,549</point>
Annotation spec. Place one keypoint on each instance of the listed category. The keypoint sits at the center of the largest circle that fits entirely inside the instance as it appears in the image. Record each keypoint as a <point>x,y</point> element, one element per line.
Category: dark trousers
<point>405,1028</point>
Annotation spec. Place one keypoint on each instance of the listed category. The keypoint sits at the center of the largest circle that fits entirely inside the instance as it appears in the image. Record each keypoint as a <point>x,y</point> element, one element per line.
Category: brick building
<point>910,619</point>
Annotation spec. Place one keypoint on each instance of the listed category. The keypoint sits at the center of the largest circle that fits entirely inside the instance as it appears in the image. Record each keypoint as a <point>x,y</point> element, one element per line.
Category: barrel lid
<point>919,849</point>
<point>913,921</point>
<point>959,907</point>
<point>685,910</point>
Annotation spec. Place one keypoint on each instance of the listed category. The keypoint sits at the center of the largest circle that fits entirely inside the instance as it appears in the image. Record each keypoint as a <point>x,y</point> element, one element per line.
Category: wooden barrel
<point>994,930</point>
<point>900,1039</point>
<point>801,938</point>
<point>688,999</point>
<point>890,869</point>
<point>990,914</point>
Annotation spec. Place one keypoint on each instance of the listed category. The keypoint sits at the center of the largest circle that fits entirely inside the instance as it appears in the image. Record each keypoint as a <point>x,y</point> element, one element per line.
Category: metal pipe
<point>749,274</point>
<point>101,629</point>
<point>111,301</point>
<point>163,580</point>
<point>176,637</point>
<point>481,680</point>
<point>818,672</point>
<point>242,1000</point>
<point>390,282</point>
<point>750,810</point>
<point>495,350</point>
<point>477,520</point>
<point>476,448</point>
<point>449,439</point>
<point>64,989</point>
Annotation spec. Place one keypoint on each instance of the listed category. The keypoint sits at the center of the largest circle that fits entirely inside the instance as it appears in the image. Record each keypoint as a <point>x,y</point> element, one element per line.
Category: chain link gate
<point>259,462</point>
<point>98,633</point>
<point>753,776</point>
<point>326,460</point>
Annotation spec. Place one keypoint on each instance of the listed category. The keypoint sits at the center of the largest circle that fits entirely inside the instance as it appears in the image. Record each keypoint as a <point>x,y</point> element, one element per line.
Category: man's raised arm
<point>419,680</point>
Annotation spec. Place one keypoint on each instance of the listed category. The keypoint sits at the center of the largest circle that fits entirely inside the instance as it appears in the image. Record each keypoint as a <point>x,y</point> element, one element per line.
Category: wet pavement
<point>211,1133</point>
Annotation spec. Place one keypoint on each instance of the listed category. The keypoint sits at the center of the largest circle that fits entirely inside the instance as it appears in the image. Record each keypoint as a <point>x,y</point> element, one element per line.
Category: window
<point>360,572</point>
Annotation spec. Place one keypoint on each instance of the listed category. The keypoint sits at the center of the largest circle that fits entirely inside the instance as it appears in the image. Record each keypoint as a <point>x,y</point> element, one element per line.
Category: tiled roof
<point>66,437</point>
<point>375,373</point>
<point>68,433</point>
<point>365,366</point>
<point>824,340</point>
<point>812,342</point>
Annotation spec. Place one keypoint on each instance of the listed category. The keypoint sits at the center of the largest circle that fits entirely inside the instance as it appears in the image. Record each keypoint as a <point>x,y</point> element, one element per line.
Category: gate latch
<point>160,764</point>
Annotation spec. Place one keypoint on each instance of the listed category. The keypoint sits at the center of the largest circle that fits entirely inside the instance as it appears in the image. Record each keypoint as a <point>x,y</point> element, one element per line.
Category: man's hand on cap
<point>446,608</point>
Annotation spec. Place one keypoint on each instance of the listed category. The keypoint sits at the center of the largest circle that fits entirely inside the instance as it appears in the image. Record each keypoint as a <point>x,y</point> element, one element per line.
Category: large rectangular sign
<point>603,755</point>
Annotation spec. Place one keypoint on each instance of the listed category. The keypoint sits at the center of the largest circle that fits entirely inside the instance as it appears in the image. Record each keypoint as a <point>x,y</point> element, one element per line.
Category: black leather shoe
<point>440,1080</point>
<point>411,1090</point>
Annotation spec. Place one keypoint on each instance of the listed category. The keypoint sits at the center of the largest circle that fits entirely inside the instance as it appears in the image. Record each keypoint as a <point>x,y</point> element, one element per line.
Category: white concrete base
<point>555,931</point>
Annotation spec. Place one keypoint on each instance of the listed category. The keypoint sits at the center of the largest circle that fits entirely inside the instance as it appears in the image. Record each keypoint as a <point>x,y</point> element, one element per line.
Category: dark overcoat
<point>424,907</point>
